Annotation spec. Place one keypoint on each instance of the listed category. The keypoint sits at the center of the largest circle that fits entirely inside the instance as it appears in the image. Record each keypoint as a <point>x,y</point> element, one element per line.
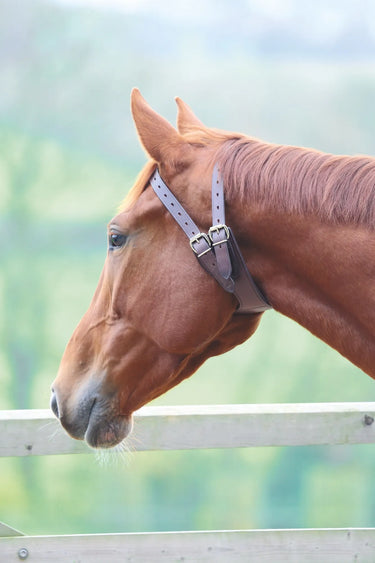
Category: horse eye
<point>116,240</point>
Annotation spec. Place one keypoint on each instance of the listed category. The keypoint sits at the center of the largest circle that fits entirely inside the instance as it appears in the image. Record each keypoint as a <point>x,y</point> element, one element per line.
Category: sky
<point>322,19</point>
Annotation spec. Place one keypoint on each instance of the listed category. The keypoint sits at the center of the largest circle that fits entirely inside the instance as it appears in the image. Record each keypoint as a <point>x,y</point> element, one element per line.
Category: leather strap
<point>219,233</point>
<point>200,242</point>
<point>217,252</point>
<point>249,296</point>
<point>173,205</point>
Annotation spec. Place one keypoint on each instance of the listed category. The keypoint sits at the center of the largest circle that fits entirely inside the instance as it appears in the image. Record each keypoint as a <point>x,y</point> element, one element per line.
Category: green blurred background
<point>283,70</point>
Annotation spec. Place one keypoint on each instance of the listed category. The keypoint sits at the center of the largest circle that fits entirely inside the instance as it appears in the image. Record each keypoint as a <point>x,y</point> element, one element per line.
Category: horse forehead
<point>146,206</point>
<point>192,186</point>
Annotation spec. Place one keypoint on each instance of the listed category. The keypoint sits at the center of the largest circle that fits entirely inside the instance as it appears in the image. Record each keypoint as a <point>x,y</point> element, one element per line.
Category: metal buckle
<point>217,229</point>
<point>197,238</point>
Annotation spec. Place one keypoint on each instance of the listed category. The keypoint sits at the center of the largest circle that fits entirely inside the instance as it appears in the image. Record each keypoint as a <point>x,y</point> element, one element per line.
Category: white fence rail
<point>36,432</point>
<point>250,546</point>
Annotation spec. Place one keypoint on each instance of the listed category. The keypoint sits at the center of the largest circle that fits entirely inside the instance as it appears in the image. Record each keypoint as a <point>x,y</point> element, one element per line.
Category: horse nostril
<point>54,405</point>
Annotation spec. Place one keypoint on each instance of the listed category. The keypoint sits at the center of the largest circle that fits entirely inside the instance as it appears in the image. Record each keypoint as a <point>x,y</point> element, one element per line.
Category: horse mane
<point>296,180</point>
<point>338,189</point>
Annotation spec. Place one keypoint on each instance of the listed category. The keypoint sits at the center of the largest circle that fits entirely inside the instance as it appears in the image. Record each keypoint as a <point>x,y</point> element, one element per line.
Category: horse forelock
<point>138,187</point>
<point>338,189</point>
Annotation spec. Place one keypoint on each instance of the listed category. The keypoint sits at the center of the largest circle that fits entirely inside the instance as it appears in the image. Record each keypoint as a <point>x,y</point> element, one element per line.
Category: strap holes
<point>158,185</point>
<point>218,207</point>
<point>217,195</point>
<point>165,195</point>
<point>186,223</point>
<point>178,213</point>
<point>172,204</point>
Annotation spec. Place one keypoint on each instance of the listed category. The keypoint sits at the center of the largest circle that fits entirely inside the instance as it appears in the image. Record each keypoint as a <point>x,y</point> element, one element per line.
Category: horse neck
<point>313,269</point>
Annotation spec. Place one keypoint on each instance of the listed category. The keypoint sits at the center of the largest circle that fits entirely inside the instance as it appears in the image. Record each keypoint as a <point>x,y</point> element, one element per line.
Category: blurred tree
<point>23,315</point>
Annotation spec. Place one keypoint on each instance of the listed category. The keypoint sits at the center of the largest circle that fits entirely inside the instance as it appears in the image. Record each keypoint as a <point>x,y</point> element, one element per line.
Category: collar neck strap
<point>217,251</point>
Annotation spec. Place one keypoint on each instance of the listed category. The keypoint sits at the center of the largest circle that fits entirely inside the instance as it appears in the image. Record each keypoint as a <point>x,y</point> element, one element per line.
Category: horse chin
<point>103,432</point>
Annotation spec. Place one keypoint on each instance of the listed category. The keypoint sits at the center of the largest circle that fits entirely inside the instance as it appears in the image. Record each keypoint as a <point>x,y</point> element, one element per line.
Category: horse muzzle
<point>93,419</point>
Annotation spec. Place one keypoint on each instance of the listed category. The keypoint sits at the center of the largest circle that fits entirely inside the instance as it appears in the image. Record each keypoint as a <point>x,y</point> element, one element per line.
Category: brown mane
<point>339,189</point>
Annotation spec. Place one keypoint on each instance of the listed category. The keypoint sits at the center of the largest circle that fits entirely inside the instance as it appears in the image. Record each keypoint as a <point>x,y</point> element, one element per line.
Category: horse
<point>304,224</point>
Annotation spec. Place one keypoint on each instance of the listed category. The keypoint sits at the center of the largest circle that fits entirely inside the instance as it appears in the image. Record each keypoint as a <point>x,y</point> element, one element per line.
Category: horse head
<point>156,315</point>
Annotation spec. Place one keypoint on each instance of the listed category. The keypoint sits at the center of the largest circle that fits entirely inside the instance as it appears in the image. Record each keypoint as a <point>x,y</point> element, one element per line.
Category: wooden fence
<point>24,433</point>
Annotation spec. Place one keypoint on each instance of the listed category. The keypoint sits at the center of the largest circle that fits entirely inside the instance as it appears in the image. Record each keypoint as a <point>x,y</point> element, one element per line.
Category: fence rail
<point>259,546</point>
<point>36,432</point>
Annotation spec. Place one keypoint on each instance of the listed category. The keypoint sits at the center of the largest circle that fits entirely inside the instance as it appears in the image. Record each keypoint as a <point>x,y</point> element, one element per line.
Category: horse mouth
<point>104,431</point>
<point>95,422</point>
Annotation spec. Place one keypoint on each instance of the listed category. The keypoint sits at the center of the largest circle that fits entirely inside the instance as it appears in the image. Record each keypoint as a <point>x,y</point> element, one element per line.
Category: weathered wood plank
<point>34,432</point>
<point>272,546</point>
<point>37,432</point>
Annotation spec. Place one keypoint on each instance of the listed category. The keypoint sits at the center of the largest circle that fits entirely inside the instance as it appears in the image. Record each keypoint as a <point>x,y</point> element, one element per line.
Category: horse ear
<point>186,120</point>
<point>159,138</point>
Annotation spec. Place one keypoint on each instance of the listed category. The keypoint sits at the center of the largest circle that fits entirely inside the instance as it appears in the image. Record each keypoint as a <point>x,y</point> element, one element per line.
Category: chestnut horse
<point>304,221</point>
